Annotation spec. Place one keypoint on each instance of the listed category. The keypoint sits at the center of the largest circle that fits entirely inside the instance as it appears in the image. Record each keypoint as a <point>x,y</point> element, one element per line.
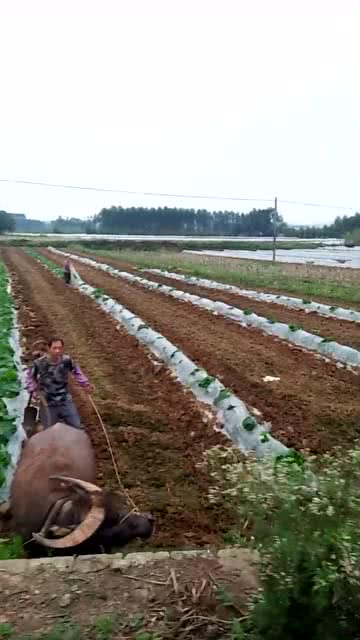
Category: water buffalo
<point>54,499</point>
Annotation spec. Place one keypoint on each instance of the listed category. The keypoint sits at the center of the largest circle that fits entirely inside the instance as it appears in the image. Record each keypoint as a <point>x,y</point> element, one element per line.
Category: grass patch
<point>42,240</point>
<point>11,549</point>
<point>303,518</point>
<point>305,281</point>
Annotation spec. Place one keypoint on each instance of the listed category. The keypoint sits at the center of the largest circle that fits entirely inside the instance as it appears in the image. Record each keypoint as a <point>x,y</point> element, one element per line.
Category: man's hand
<point>89,388</point>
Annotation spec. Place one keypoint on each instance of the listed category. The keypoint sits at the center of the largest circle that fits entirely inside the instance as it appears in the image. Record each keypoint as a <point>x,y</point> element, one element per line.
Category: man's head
<point>55,349</point>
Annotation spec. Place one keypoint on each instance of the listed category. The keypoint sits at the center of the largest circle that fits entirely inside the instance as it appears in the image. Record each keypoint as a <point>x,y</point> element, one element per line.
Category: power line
<point>174,195</point>
<point>138,193</point>
<point>316,204</point>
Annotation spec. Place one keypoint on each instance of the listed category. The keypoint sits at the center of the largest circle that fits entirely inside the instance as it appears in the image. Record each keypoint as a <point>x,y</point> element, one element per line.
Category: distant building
<point>27,225</point>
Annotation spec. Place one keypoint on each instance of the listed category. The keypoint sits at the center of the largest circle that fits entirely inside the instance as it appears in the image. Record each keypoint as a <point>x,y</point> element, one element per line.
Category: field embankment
<point>331,286</point>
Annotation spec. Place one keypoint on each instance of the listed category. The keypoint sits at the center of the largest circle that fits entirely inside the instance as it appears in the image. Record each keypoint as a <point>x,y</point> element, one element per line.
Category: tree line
<point>180,221</point>
<point>340,228</point>
<point>183,222</point>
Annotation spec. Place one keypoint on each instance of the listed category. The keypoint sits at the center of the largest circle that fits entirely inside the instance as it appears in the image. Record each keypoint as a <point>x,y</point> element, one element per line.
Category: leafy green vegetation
<point>105,626</point>
<point>142,326</point>
<point>249,423</point>
<point>206,382</point>
<point>294,327</point>
<point>304,522</point>
<point>223,394</point>
<point>109,627</point>
<point>9,379</point>
<point>6,630</point>
<point>353,237</point>
<point>51,265</point>
<point>98,293</point>
<point>11,549</point>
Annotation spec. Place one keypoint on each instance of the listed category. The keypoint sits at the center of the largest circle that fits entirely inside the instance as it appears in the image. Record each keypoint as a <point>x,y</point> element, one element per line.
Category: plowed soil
<point>157,430</point>
<point>315,404</point>
<point>342,331</point>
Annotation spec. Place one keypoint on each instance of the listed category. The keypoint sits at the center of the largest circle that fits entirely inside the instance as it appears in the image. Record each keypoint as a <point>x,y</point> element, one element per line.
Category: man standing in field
<point>49,376</point>
<point>67,271</point>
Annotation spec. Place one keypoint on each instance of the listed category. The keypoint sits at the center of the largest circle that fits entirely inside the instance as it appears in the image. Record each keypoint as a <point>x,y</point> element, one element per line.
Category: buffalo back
<point>59,450</point>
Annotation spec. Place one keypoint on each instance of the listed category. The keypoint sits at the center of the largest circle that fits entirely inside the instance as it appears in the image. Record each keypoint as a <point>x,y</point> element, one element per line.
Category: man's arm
<point>79,376</point>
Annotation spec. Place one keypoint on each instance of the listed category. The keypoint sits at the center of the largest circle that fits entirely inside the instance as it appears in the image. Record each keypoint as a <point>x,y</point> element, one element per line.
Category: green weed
<point>304,514</point>
<point>12,549</point>
<point>6,630</point>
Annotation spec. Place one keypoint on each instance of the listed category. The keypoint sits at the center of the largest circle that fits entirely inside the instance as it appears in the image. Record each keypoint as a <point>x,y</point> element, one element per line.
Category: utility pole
<point>274,221</point>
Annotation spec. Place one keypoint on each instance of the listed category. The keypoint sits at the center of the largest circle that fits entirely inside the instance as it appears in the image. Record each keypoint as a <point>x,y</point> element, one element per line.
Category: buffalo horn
<point>90,524</point>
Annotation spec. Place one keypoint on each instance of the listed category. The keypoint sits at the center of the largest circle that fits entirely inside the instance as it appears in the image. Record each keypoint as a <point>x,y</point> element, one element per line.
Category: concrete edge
<point>95,563</point>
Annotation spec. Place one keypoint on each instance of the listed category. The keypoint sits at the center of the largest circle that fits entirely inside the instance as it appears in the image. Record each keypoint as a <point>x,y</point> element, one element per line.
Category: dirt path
<point>344,332</point>
<point>157,429</point>
<point>315,405</point>
<point>173,599</point>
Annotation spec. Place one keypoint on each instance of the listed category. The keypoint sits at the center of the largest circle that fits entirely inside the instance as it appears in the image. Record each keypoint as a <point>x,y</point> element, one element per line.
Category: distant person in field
<point>49,375</point>
<point>67,271</point>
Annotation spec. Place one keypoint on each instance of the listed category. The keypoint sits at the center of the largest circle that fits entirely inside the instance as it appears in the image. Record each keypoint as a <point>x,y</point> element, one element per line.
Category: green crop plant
<point>249,423</point>
<point>223,394</point>
<point>294,327</point>
<point>51,265</point>
<point>9,378</point>
<point>206,382</point>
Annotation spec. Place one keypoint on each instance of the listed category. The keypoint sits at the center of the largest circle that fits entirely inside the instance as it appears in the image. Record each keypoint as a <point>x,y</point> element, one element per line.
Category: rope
<point>126,493</point>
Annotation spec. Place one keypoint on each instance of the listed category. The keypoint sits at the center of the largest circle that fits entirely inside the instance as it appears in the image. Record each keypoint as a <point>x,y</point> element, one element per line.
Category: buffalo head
<point>86,513</point>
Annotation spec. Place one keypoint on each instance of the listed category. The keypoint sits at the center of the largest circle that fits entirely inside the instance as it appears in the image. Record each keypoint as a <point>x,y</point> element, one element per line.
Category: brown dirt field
<point>157,429</point>
<point>177,599</point>
<point>316,405</point>
<point>344,332</point>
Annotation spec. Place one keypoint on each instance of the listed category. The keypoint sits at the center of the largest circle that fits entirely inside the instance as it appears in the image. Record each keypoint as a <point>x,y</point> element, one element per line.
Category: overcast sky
<point>242,98</point>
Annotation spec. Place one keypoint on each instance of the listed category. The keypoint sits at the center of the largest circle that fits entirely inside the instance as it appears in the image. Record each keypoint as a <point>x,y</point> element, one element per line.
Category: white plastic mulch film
<point>311,342</point>
<point>15,407</point>
<point>309,306</point>
<point>233,416</point>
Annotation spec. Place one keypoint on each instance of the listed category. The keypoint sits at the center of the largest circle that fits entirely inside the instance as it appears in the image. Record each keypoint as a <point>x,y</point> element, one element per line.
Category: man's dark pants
<point>62,412</point>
